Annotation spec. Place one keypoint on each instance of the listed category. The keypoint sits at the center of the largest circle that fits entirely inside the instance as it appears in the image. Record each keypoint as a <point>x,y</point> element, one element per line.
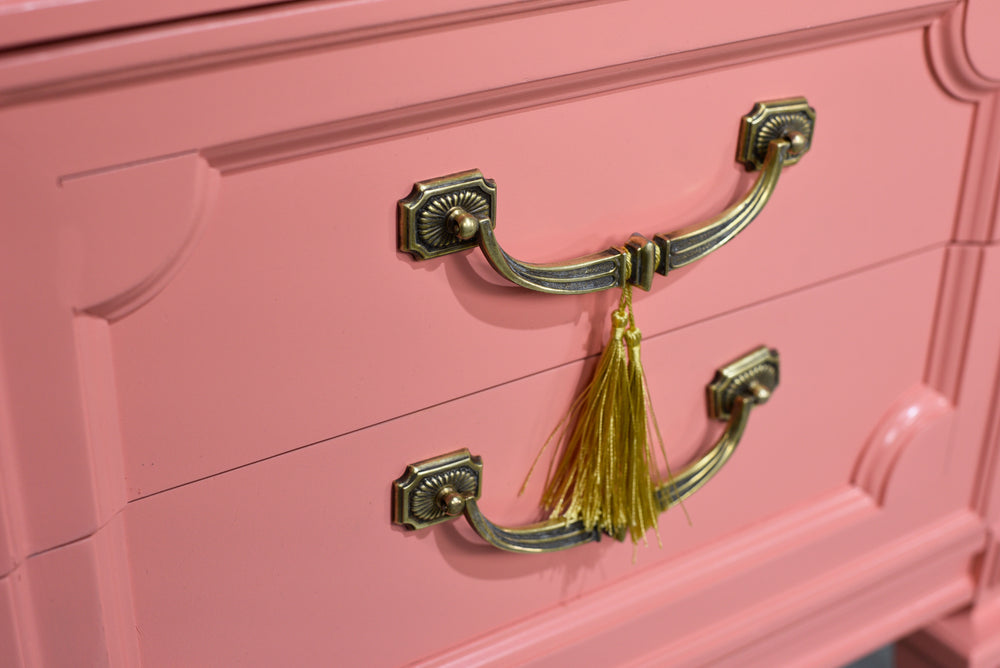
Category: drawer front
<point>270,556</point>
<point>218,358</point>
<point>294,319</point>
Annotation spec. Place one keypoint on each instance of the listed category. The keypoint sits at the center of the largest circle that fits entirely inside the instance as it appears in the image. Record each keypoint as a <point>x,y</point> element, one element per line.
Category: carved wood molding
<point>948,49</point>
<point>960,278</point>
<point>117,236</point>
<point>184,47</point>
<point>254,152</point>
<point>85,581</point>
<point>949,44</point>
<point>138,223</point>
<point>911,419</point>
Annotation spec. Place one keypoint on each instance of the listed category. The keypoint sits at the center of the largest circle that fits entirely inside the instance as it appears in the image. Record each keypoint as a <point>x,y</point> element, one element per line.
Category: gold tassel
<point>606,475</point>
<point>642,419</point>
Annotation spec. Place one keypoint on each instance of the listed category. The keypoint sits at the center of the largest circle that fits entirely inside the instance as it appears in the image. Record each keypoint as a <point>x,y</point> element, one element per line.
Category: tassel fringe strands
<point>606,474</point>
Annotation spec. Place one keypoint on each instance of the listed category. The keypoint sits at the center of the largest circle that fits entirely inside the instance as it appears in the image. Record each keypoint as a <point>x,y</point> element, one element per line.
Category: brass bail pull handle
<point>440,489</point>
<point>457,212</point>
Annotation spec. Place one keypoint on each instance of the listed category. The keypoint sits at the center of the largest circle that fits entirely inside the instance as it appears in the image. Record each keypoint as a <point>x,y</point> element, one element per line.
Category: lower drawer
<point>294,559</point>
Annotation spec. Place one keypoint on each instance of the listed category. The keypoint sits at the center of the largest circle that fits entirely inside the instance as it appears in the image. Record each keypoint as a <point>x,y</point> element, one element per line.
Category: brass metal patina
<point>436,490</point>
<point>457,212</point>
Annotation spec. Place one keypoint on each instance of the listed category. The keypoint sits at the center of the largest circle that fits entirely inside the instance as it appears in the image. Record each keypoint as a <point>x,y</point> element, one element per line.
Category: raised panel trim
<point>949,54</point>
<point>917,411</point>
<point>135,226</point>
<point>183,47</point>
<point>258,151</point>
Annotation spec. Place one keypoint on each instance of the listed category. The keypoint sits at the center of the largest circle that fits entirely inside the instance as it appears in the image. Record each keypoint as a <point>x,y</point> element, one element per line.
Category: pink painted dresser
<point>216,360</point>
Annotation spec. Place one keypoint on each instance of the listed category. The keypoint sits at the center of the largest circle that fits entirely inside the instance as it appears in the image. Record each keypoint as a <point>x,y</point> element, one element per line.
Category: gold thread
<point>604,473</point>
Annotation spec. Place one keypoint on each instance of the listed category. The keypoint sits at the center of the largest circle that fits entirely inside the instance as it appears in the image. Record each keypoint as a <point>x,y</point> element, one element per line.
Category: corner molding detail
<point>130,229</point>
<point>948,51</point>
<point>82,586</point>
<point>981,19</point>
<point>917,410</point>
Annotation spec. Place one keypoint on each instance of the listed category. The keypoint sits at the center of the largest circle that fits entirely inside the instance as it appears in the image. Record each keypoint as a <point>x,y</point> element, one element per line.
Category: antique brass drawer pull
<point>457,212</point>
<point>439,489</point>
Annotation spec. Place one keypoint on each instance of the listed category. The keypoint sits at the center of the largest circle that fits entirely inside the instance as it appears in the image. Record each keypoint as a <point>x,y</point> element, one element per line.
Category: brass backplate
<point>424,226</point>
<point>739,378</point>
<point>773,120</point>
<point>415,494</point>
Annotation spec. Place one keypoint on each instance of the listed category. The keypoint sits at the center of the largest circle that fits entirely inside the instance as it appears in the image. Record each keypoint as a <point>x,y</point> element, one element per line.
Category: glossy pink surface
<point>247,274</point>
<point>240,529</point>
<point>11,653</point>
<point>981,20</point>
<point>970,636</point>
<point>214,361</point>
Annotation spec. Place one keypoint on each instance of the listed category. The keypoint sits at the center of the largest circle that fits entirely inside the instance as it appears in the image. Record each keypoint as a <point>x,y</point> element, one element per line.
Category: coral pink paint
<point>214,361</point>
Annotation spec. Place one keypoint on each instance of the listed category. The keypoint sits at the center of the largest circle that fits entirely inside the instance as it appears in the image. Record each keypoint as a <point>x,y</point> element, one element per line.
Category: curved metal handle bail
<point>457,212</point>
<point>439,489</point>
